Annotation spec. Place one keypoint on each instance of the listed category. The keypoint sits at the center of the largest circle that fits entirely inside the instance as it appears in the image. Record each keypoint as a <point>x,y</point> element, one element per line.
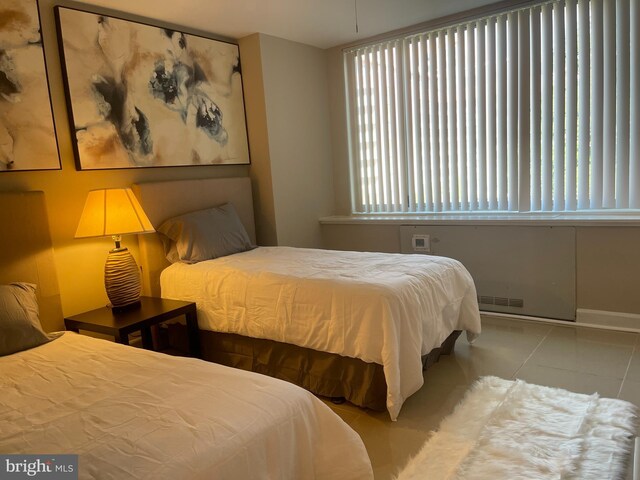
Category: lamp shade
<point>113,211</point>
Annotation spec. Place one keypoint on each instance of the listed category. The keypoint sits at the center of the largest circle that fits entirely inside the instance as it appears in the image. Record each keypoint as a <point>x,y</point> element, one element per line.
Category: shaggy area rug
<point>512,430</point>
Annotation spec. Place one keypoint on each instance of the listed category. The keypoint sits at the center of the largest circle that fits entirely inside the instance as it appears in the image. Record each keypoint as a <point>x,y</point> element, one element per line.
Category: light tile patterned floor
<point>582,360</point>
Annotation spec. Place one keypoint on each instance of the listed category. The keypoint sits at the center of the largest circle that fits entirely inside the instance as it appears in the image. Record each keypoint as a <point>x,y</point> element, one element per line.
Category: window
<point>532,110</point>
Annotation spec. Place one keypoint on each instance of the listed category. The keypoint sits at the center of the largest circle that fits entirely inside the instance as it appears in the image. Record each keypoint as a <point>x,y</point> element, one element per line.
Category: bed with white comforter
<point>134,414</point>
<point>383,308</point>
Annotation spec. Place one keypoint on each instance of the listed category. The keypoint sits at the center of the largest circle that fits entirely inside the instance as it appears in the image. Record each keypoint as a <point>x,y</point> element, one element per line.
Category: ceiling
<point>321,23</point>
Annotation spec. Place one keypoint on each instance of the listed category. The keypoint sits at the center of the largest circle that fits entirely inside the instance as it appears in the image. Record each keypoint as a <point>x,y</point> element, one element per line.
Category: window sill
<point>524,219</point>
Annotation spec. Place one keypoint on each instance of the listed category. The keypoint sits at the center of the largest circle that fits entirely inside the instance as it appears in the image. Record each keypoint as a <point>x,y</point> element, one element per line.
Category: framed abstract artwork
<point>27,132</point>
<point>144,96</point>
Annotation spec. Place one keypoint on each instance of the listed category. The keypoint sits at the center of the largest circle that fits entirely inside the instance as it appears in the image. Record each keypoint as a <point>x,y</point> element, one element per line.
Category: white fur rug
<point>513,430</point>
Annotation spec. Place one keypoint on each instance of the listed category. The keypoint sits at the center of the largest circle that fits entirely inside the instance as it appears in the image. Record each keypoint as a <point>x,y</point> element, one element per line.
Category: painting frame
<point>141,95</point>
<point>28,136</point>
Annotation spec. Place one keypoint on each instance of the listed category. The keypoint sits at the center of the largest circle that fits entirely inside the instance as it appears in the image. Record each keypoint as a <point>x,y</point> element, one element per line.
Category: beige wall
<point>608,268</point>
<point>364,238</point>
<point>258,130</point>
<point>339,132</point>
<point>80,263</point>
<point>297,112</point>
<point>608,258</point>
<point>287,98</point>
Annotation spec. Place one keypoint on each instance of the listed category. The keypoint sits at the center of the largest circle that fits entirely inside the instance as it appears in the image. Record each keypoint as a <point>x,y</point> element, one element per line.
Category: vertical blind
<point>534,110</point>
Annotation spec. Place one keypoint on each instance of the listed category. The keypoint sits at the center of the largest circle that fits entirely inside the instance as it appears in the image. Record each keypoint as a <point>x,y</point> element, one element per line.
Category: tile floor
<point>582,360</point>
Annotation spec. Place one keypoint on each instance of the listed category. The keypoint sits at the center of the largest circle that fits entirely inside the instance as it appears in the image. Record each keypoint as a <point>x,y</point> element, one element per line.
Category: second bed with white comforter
<point>383,308</point>
<point>134,414</point>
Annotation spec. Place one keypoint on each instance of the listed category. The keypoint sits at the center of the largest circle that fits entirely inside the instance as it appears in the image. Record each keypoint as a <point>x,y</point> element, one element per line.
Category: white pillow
<point>20,327</point>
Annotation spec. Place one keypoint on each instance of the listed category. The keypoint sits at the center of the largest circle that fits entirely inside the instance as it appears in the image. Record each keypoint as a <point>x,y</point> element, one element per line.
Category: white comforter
<point>133,414</point>
<point>385,308</point>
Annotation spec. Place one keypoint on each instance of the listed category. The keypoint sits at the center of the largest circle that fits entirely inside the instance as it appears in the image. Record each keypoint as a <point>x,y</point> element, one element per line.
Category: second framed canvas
<point>144,96</point>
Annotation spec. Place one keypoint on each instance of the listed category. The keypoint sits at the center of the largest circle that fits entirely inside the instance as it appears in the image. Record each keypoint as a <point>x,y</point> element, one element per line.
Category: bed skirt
<point>325,374</point>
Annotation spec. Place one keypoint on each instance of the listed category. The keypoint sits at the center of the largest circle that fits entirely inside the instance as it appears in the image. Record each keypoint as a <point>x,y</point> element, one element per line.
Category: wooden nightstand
<point>151,311</point>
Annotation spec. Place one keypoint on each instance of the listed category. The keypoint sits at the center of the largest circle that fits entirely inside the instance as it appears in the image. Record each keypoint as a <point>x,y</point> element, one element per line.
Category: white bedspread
<point>134,414</point>
<point>379,307</point>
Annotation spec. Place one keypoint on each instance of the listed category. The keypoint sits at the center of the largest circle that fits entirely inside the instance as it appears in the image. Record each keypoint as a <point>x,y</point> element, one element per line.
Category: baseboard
<point>617,320</point>
<point>624,322</point>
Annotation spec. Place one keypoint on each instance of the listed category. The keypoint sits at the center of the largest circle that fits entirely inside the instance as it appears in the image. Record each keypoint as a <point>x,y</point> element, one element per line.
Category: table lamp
<point>115,212</point>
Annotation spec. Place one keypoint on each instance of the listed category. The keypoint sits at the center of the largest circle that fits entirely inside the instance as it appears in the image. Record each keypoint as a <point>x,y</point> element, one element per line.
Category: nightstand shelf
<point>152,311</point>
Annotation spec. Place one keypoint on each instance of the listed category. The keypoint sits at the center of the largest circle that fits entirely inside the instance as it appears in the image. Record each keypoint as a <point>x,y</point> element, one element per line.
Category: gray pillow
<point>20,327</point>
<point>205,234</point>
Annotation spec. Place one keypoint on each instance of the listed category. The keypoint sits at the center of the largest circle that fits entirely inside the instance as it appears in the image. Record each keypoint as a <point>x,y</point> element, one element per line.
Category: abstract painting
<point>27,133</point>
<point>144,96</point>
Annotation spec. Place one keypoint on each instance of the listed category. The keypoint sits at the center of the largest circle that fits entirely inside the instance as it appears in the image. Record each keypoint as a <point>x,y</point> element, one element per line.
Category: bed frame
<point>26,252</point>
<point>325,374</point>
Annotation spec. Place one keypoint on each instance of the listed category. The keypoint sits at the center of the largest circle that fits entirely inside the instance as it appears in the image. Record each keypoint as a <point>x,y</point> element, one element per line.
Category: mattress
<point>389,309</point>
<point>134,414</point>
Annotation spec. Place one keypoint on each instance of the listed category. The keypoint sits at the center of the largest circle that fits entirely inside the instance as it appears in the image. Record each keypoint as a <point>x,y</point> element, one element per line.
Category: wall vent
<point>501,301</point>
<point>486,300</point>
<point>516,302</point>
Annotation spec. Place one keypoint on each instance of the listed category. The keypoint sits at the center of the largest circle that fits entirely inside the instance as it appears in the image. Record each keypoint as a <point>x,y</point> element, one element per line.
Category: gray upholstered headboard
<point>163,200</point>
<point>26,252</point>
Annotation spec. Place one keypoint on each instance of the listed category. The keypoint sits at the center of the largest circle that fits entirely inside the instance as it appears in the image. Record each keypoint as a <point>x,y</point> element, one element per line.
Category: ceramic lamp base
<point>122,278</point>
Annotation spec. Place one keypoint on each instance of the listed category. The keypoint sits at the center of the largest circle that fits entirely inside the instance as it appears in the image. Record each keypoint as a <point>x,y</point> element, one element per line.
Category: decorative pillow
<point>20,327</point>
<point>205,234</point>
